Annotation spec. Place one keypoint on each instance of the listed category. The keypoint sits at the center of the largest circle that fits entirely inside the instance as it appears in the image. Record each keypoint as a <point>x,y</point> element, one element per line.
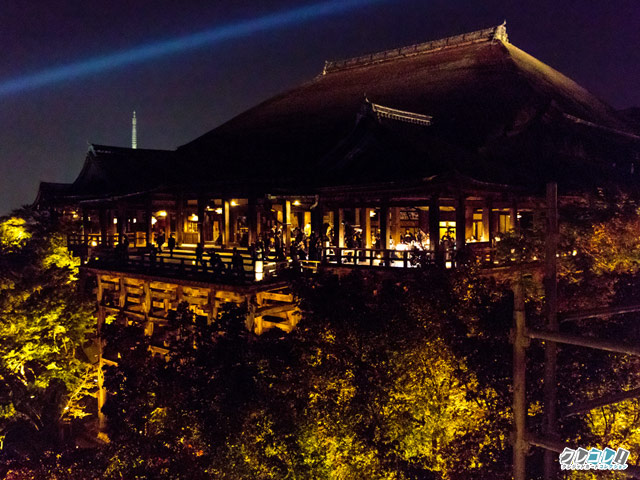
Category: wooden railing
<point>376,257</point>
<point>184,263</point>
<point>76,240</point>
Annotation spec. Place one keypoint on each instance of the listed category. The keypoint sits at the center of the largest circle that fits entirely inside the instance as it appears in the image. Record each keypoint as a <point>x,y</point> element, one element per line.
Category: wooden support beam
<point>273,310</point>
<point>395,225</point>
<point>598,312</point>
<point>104,225</point>
<point>317,216</point>
<point>384,227</point>
<point>146,302</point>
<point>253,220</point>
<point>286,225</point>
<point>461,228</point>
<point>468,221</point>
<point>339,227</point>
<point>551,303</point>
<point>520,343</point>
<point>487,226</point>
<point>226,240</point>
<point>122,298</point>
<point>607,345</point>
<point>200,214</point>
<point>434,229</point>
<point>180,218</point>
<point>603,401</point>
<point>277,297</point>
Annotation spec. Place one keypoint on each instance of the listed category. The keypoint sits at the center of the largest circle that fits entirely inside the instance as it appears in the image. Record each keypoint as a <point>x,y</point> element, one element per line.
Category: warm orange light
<point>194,217</point>
<point>296,202</point>
<point>234,203</point>
<point>219,211</point>
<point>162,213</point>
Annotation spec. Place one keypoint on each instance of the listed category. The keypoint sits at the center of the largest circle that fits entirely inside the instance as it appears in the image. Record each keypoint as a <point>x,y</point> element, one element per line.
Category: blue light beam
<point>189,42</point>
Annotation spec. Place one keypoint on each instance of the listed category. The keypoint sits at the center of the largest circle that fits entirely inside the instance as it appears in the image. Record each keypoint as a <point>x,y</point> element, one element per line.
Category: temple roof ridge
<point>380,112</point>
<point>485,35</point>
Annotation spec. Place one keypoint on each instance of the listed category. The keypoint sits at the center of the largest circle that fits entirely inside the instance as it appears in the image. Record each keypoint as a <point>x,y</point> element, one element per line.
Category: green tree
<point>44,323</point>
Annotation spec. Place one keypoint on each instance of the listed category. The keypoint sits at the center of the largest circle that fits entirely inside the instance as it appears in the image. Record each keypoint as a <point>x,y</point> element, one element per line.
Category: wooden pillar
<point>317,215</point>
<point>225,231</point>
<point>384,227</point>
<point>468,221</point>
<point>550,354</point>
<point>104,225</point>
<point>180,219</point>
<point>461,227</point>
<point>423,220</point>
<point>365,225</point>
<point>253,221</point>
<point>513,217</point>
<point>122,220</point>
<point>148,214</point>
<point>86,226</point>
<point>520,343</point>
<point>487,232</point>
<point>200,214</point>
<point>340,227</point>
<point>395,225</point>
<point>434,227</point>
<point>286,224</point>
<point>102,392</point>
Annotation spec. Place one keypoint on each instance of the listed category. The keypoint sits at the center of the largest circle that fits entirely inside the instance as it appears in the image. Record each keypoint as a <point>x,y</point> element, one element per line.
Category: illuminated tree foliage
<point>371,385</point>
<point>44,323</point>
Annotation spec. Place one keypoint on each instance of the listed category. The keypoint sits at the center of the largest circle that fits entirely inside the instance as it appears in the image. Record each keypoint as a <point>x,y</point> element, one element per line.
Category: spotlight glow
<point>149,51</point>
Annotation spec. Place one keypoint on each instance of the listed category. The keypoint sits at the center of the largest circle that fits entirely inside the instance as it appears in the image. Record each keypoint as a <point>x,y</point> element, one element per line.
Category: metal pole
<point>551,296</point>
<point>520,342</point>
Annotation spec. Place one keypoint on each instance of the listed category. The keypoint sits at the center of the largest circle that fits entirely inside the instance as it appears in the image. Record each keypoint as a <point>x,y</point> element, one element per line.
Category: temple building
<point>422,151</point>
<point>382,162</point>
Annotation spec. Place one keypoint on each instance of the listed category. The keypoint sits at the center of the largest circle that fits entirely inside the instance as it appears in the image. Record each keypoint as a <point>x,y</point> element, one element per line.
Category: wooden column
<point>286,224</point>
<point>513,217</point>
<point>253,221</point>
<point>102,392</point>
<point>468,221</point>
<point>434,227</point>
<point>180,219</point>
<point>225,230</point>
<point>423,220</point>
<point>317,215</point>
<point>365,225</point>
<point>86,226</point>
<point>148,227</point>
<point>520,343</point>
<point>201,213</point>
<point>461,227</point>
<point>340,227</point>
<point>487,222</point>
<point>104,225</point>
<point>550,353</point>
<point>395,225</point>
<point>384,227</point>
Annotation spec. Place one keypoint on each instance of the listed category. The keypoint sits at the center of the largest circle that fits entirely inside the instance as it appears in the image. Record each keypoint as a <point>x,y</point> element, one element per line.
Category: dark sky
<point>44,132</point>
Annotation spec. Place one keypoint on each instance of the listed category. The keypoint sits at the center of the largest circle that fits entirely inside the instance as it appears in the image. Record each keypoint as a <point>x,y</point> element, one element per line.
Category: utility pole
<point>550,354</point>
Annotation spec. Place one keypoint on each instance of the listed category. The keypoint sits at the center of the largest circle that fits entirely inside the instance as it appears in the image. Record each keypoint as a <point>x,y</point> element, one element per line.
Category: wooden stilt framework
<point>521,337</point>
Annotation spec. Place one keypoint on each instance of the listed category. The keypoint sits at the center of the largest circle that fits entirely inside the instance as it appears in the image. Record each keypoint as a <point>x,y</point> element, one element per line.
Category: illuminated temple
<point>381,162</point>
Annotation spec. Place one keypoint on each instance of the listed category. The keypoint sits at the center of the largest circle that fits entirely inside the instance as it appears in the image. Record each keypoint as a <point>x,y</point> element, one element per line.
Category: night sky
<point>44,132</point>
